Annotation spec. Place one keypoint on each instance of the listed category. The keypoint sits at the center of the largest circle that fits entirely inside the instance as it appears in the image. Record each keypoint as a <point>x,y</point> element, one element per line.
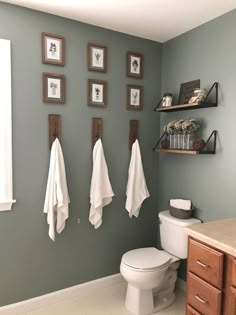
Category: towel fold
<point>57,198</point>
<point>181,204</point>
<point>136,191</point>
<point>101,192</point>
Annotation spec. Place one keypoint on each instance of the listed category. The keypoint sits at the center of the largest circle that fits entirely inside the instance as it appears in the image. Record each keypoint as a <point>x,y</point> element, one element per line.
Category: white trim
<point>58,296</point>
<point>181,284</point>
<point>6,193</point>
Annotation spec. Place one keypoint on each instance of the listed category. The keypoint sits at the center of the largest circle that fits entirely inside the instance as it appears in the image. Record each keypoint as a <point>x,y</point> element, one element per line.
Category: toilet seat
<point>146,259</point>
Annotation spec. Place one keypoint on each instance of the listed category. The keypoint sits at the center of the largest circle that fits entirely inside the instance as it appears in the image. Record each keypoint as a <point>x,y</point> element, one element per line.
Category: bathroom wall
<point>206,53</point>
<point>31,264</point>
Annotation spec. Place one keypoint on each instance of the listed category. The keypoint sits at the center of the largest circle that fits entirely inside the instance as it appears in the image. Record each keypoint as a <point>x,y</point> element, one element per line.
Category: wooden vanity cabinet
<point>211,280</point>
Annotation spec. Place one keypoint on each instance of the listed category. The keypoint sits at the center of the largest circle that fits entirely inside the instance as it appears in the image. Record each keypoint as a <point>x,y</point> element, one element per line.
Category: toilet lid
<point>146,258</point>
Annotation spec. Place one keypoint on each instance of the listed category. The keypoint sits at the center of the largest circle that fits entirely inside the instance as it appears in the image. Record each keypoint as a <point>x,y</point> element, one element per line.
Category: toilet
<point>151,273</point>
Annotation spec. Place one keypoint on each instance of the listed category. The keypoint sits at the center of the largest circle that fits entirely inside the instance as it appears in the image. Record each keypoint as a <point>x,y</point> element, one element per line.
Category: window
<point>6,194</point>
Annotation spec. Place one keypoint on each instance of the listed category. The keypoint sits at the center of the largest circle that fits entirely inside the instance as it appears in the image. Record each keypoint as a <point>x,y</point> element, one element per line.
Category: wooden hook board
<point>133,132</point>
<point>54,123</point>
<point>97,125</point>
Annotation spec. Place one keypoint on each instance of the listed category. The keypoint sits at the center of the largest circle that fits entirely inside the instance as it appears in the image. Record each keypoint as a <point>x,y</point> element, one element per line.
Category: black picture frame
<point>186,91</point>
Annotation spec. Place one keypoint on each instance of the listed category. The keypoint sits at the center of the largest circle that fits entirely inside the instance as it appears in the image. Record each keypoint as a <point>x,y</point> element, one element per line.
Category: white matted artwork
<point>97,57</point>
<point>53,49</point>
<point>53,88</point>
<point>97,93</point>
<point>134,97</point>
<point>134,65</point>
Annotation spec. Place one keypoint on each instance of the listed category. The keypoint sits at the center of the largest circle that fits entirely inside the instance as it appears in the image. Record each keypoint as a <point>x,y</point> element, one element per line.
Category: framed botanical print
<point>134,65</point>
<point>53,88</point>
<point>134,96</point>
<point>53,49</point>
<point>97,93</point>
<point>97,58</point>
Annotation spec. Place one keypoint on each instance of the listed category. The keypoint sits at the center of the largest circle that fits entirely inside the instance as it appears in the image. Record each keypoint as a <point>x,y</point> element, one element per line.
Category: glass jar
<point>167,99</point>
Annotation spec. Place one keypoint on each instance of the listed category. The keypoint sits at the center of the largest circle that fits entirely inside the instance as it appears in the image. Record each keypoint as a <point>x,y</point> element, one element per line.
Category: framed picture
<point>53,88</point>
<point>134,97</point>
<point>186,91</point>
<point>97,58</point>
<point>134,65</point>
<point>97,93</point>
<point>53,49</point>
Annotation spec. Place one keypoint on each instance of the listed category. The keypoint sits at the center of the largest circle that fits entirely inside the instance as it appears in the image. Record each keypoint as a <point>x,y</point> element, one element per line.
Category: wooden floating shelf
<point>175,108</point>
<point>193,152</point>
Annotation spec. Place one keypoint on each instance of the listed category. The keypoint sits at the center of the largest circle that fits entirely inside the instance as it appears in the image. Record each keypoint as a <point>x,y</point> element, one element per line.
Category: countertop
<point>220,234</point>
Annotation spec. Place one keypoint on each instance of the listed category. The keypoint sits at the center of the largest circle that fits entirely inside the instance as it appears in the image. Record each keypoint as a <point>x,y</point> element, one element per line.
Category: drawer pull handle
<point>201,264</point>
<point>200,299</point>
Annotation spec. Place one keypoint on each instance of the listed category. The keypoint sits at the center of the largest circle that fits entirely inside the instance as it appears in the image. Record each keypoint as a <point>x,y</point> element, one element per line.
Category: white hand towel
<point>181,204</point>
<point>57,199</point>
<point>136,190</point>
<point>101,192</point>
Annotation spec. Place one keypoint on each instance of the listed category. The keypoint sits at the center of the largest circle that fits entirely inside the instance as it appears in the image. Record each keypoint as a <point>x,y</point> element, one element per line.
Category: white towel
<point>181,204</point>
<point>136,190</point>
<point>101,192</point>
<point>57,199</point>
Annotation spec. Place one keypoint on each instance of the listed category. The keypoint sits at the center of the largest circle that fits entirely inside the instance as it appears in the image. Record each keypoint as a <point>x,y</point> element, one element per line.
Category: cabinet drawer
<point>191,311</point>
<point>203,297</point>
<point>206,262</point>
<point>234,272</point>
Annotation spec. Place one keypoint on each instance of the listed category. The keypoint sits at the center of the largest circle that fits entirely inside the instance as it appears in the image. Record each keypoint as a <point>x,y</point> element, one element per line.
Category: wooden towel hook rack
<point>97,126</point>
<point>133,131</point>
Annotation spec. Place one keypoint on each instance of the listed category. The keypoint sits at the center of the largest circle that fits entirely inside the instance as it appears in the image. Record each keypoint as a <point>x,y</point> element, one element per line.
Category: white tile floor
<point>108,301</point>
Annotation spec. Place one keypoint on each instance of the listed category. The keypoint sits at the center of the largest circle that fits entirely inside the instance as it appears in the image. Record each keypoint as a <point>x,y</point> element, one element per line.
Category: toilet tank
<point>174,240</point>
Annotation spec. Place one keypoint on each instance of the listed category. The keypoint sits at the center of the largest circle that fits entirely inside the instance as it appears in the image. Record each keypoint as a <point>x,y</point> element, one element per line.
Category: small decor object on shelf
<point>134,97</point>
<point>198,144</point>
<point>53,88</point>
<point>97,58</point>
<point>97,93</point>
<point>186,91</point>
<point>134,65</point>
<point>53,49</point>
<point>199,96</point>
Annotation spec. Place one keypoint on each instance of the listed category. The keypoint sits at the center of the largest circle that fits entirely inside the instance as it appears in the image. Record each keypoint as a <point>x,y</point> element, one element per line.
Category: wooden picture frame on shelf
<point>97,57</point>
<point>53,49</point>
<point>97,93</point>
<point>134,97</point>
<point>53,88</point>
<point>186,91</point>
<point>134,65</point>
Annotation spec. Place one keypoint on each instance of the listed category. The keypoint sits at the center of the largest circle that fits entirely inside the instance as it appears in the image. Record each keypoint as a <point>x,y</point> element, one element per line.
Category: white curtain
<point>6,198</point>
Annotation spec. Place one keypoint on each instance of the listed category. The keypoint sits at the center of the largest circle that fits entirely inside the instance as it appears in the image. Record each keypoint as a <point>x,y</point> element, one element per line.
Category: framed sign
<point>97,93</point>
<point>134,65</point>
<point>134,97</point>
<point>97,58</point>
<point>53,88</point>
<point>53,49</point>
<point>186,91</point>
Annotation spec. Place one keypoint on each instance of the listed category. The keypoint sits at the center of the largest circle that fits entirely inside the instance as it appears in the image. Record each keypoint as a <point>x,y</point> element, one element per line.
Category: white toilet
<point>151,273</point>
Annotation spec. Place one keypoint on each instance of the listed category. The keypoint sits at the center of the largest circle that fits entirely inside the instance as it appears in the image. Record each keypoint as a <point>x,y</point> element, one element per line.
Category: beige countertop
<point>220,234</point>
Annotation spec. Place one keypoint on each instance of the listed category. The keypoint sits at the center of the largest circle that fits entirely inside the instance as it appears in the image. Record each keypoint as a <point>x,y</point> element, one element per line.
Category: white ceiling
<point>158,20</point>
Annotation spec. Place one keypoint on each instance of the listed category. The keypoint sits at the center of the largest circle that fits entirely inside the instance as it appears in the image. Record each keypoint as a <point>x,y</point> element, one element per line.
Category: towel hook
<point>54,122</point>
<point>133,132</point>
<point>97,126</point>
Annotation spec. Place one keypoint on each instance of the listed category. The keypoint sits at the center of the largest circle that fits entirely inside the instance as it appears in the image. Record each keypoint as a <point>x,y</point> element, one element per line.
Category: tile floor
<point>108,301</point>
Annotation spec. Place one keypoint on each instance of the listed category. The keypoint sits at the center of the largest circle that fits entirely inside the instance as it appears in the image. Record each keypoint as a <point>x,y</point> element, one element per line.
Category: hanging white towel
<point>136,190</point>
<point>101,192</point>
<point>57,199</point>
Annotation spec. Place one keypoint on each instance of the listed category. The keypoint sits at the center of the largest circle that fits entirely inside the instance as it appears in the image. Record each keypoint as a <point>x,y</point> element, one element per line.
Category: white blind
<point>6,194</point>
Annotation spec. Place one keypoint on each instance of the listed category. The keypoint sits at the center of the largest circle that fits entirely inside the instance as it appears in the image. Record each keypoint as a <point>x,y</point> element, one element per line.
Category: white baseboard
<point>59,296</point>
<point>181,284</point>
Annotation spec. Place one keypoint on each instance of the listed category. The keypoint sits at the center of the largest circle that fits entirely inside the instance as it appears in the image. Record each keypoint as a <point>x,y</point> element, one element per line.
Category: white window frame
<point>6,189</point>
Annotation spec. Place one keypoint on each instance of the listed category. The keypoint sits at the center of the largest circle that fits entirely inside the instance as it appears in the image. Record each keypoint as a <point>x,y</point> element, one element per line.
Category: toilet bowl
<point>151,273</point>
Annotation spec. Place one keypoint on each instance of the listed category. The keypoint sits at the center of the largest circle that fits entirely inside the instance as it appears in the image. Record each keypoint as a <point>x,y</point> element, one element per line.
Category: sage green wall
<point>31,264</point>
<point>206,53</point>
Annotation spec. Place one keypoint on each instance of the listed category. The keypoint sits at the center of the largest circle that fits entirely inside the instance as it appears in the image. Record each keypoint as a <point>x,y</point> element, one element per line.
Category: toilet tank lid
<point>166,216</point>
